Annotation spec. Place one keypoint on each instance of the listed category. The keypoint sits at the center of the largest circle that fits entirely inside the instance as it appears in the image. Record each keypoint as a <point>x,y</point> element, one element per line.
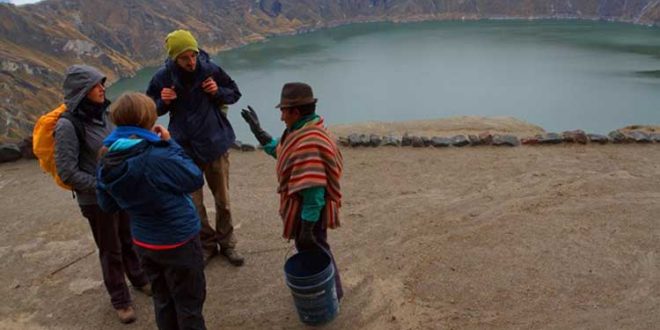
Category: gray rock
<point>426,141</point>
<point>439,142</point>
<point>506,140</point>
<point>236,145</point>
<point>655,137</point>
<point>532,140</point>
<point>486,138</point>
<point>576,136</point>
<point>375,140</point>
<point>364,140</point>
<point>459,141</point>
<point>26,148</point>
<point>343,141</point>
<point>598,138</point>
<point>617,137</point>
<point>474,140</point>
<point>248,147</point>
<point>417,142</point>
<point>354,140</point>
<point>639,137</point>
<point>9,152</point>
<point>406,140</point>
<point>551,138</point>
<point>391,140</point>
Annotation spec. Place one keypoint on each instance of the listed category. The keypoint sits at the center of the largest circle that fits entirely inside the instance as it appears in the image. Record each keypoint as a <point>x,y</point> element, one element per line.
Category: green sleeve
<point>271,147</point>
<point>313,201</point>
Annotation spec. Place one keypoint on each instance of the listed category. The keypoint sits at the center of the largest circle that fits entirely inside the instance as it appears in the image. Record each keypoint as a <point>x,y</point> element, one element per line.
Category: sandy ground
<point>559,237</point>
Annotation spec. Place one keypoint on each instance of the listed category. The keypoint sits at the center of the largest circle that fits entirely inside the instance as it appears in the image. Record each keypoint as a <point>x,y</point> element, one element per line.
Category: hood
<point>119,168</point>
<point>78,82</point>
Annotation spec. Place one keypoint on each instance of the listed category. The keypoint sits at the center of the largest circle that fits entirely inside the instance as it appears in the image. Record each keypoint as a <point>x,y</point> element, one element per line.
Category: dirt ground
<point>559,237</point>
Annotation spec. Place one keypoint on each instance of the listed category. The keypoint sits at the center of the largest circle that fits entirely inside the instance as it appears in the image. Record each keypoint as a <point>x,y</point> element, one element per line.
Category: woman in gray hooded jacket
<point>76,159</point>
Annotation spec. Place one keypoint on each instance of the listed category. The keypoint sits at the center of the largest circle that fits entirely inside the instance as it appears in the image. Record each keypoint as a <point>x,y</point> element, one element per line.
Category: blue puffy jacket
<point>152,181</point>
<point>197,122</point>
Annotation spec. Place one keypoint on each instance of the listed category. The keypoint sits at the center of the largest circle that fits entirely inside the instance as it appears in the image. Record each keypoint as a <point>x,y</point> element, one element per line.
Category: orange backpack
<point>43,144</point>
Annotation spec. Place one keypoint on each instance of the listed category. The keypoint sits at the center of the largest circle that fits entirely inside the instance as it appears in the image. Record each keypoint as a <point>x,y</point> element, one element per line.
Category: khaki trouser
<point>217,178</point>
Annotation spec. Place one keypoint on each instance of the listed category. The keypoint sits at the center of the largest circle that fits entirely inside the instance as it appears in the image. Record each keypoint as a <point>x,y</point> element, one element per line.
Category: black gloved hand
<point>306,240</point>
<point>251,118</point>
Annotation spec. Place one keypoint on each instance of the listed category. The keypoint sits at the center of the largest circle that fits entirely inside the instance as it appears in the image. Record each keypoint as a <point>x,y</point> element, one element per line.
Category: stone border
<point>487,139</point>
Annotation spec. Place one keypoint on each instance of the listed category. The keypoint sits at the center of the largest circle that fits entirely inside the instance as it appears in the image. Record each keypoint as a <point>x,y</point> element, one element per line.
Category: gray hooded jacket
<point>76,160</point>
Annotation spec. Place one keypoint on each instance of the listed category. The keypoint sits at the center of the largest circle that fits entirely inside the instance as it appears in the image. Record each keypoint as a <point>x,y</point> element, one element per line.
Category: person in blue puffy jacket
<point>148,175</point>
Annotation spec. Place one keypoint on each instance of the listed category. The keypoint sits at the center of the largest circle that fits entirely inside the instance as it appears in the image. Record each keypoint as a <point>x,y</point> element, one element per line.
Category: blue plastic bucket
<point>311,277</point>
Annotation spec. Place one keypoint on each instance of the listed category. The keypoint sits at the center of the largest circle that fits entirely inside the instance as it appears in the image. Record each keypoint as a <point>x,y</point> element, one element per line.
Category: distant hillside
<point>37,42</point>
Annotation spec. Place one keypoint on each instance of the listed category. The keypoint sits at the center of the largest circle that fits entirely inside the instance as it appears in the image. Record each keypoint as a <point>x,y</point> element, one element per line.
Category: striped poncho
<point>306,158</point>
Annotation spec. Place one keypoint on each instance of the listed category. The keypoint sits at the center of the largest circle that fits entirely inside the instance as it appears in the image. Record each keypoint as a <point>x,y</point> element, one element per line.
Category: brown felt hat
<point>295,94</point>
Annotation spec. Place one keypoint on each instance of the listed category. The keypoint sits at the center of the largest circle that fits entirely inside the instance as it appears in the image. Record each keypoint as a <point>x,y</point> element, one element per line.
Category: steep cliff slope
<point>37,42</point>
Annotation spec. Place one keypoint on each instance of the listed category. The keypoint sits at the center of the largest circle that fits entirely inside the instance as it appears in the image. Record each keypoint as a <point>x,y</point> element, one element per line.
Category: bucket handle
<point>293,247</point>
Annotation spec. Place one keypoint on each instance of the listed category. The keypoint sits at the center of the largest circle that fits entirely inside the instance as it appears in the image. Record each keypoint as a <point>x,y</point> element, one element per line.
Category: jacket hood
<point>120,167</point>
<point>80,79</point>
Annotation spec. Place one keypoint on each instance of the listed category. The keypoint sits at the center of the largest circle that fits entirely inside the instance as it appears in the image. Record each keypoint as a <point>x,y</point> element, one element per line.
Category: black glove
<point>306,240</point>
<point>251,118</point>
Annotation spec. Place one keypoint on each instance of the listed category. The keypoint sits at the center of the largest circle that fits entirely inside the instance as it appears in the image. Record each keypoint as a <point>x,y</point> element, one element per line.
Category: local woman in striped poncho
<point>309,167</point>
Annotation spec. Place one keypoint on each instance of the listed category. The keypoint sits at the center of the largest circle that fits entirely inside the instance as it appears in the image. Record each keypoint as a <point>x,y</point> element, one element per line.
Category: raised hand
<point>209,85</point>
<point>250,117</point>
<point>162,132</point>
<point>167,95</point>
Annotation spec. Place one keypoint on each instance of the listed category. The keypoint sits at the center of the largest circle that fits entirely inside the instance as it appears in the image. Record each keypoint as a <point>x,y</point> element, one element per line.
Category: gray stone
<point>617,137</point>
<point>426,141</point>
<point>655,137</point>
<point>343,141</point>
<point>364,140</point>
<point>417,142</point>
<point>534,140</point>
<point>391,140</point>
<point>576,136</point>
<point>551,138</point>
<point>406,140</point>
<point>506,140</point>
<point>236,145</point>
<point>639,137</point>
<point>486,138</point>
<point>375,140</point>
<point>439,142</point>
<point>354,140</point>
<point>459,141</point>
<point>9,152</point>
<point>474,140</point>
<point>26,148</point>
<point>248,147</point>
<point>598,138</point>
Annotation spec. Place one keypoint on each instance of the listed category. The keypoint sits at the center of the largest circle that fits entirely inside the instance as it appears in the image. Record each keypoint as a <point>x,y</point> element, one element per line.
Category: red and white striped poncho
<point>306,158</point>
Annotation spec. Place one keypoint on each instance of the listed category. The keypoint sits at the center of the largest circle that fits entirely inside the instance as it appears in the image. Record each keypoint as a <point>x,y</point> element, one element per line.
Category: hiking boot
<point>146,289</point>
<point>126,315</point>
<point>208,255</point>
<point>233,256</point>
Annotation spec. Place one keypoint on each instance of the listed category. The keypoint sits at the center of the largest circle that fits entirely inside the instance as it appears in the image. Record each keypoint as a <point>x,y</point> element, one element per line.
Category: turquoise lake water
<point>560,75</point>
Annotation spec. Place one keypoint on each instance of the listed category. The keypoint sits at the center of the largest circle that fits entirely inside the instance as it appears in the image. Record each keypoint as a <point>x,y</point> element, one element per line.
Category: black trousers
<point>112,235</point>
<point>178,283</point>
<point>321,235</point>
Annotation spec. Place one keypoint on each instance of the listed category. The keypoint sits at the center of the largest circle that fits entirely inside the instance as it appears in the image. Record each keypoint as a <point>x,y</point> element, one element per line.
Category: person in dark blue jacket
<point>149,176</point>
<point>196,92</point>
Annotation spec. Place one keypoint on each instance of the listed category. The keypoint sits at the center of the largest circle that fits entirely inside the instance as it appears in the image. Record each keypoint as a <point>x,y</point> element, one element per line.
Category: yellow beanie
<point>178,42</point>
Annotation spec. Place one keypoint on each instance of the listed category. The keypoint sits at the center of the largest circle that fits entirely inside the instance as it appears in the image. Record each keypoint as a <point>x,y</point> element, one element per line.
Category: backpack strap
<point>77,124</point>
<point>80,133</point>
